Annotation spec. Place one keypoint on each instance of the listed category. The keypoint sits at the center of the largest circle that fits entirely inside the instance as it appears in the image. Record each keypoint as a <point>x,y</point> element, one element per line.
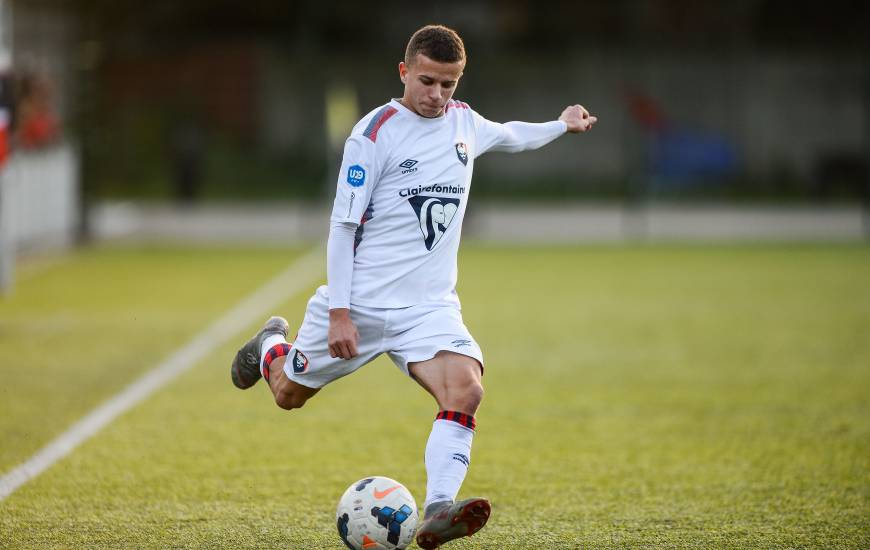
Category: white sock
<point>448,455</point>
<point>270,341</point>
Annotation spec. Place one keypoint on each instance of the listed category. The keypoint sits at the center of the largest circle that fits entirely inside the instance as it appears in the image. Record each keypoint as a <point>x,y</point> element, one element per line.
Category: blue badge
<point>356,175</point>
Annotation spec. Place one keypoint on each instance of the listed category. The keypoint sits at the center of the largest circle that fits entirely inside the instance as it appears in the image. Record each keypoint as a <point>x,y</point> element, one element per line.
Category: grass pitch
<point>637,397</point>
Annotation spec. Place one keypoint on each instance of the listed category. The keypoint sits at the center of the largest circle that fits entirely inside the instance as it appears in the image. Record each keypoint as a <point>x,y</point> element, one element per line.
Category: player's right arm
<point>356,180</point>
<point>342,336</point>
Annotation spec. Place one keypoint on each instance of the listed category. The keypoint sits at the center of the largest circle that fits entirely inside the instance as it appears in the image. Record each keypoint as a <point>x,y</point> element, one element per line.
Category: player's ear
<point>403,72</point>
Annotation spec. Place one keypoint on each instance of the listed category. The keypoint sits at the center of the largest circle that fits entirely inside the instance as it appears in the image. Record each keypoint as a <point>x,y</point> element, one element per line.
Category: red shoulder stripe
<point>377,121</point>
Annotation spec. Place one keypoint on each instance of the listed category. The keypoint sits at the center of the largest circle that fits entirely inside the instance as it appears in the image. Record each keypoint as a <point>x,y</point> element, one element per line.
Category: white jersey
<point>405,179</point>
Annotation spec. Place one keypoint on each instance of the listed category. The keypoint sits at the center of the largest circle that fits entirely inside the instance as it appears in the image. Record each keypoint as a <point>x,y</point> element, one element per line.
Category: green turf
<point>637,397</point>
<point>78,329</point>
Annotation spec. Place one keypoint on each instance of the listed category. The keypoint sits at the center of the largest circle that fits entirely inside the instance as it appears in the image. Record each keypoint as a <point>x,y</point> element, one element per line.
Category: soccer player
<point>391,267</point>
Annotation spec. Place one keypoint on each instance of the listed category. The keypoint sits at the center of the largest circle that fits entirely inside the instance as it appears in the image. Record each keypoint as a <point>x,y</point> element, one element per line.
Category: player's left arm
<point>512,137</point>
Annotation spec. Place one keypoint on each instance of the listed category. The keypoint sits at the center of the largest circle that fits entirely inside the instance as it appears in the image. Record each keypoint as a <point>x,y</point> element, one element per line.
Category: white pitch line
<point>294,279</point>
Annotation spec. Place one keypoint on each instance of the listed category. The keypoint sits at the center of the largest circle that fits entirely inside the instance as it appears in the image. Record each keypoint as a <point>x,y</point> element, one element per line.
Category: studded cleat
<point>245,370</point>
<point>452,521</point>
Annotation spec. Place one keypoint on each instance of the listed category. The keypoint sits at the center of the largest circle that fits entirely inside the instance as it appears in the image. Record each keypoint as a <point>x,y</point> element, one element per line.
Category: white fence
<point>39,204</point>
<point>493,222</point>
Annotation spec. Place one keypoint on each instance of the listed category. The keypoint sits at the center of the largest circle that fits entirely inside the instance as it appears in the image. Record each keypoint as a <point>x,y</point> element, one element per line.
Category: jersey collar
<point>394,102</point>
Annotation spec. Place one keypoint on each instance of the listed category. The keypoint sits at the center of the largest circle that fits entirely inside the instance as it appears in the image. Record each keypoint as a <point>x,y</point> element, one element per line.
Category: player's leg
<point>263,356</point>
<point>247,366</point>
<point>454,380</point>
<point>288,394</point>
<point>434,347</point>
<point>297,371</point>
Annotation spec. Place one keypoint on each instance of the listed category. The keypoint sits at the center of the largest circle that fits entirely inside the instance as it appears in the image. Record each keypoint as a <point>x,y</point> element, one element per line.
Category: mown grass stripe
<point>295,278</point>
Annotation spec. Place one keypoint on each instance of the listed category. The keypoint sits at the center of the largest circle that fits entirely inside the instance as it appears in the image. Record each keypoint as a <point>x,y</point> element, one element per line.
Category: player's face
<point>429,85</point>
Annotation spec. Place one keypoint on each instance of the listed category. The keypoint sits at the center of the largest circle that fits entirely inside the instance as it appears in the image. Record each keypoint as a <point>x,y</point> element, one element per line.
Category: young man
<point>391,267</point>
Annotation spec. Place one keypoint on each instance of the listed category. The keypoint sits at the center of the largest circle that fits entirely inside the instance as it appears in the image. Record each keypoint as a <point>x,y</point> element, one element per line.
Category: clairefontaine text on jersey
<point>411,191</point>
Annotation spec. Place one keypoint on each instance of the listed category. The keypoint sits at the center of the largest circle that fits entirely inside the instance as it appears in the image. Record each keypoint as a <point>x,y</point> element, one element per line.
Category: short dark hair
<point>436,42</point>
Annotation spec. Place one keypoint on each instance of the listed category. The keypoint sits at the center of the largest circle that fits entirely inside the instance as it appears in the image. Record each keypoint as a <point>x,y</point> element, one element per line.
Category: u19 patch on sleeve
<point>356,175</point>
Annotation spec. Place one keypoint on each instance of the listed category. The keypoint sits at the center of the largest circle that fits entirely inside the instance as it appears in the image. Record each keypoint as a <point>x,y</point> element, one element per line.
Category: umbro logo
<point>460,343</point>
<point>461,458</point>
<point>408,166</point>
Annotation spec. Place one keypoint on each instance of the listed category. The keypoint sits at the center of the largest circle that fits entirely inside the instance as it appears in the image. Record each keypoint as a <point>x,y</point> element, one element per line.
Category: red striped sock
<point>461,418</point>
<point>276,351</point>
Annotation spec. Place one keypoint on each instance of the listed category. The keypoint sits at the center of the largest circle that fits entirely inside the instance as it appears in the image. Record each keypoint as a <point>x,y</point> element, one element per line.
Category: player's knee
<point>466,397</point>
<point>288,400</point>
<point>474,394</point>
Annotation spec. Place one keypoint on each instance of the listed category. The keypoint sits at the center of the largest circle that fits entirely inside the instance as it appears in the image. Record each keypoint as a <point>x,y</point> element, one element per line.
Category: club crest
<point>300,362</point>
<point>462,152</point>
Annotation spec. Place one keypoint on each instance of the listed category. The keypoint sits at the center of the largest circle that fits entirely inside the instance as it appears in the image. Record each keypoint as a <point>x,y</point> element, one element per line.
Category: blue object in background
<point>683,158</point>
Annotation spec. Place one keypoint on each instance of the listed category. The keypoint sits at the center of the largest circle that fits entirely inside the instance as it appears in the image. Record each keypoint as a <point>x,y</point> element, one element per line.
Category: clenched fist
<point>577,118</point>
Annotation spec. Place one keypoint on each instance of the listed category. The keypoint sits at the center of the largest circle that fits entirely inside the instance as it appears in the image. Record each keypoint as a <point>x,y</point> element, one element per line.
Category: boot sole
<point>474,514</point>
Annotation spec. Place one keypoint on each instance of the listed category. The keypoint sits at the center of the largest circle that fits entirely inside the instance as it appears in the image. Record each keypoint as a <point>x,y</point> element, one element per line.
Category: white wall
<point>40,200</point>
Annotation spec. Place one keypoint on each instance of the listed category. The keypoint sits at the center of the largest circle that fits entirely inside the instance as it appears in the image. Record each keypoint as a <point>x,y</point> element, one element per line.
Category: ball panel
<point>377,513</point>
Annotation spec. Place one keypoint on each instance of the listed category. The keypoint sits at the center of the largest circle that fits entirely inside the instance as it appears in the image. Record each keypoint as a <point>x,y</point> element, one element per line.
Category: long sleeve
<point>522,136</point>
<point>357,178</point>
<point>512,137</point>
<point>339,263</point>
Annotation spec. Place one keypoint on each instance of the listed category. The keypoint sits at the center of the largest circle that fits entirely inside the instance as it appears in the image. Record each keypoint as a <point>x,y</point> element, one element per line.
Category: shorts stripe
<point>460,418</point>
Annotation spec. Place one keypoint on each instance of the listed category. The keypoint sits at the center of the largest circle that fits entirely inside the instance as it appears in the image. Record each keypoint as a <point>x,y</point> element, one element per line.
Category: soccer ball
<point>377,513</point>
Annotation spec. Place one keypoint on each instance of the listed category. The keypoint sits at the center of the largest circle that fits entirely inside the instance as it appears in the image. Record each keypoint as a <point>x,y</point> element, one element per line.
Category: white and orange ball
<point>377,513</point>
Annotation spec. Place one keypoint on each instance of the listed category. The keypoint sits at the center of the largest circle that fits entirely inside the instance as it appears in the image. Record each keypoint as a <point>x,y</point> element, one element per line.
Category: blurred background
<point>167,119</point>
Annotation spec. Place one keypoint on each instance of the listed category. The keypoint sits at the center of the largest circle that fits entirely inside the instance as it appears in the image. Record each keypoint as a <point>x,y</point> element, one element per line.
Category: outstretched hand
<point>577,118</point>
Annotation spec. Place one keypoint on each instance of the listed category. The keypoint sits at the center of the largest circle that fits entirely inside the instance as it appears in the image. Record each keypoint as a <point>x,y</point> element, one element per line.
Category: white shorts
<point>407,335</point>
